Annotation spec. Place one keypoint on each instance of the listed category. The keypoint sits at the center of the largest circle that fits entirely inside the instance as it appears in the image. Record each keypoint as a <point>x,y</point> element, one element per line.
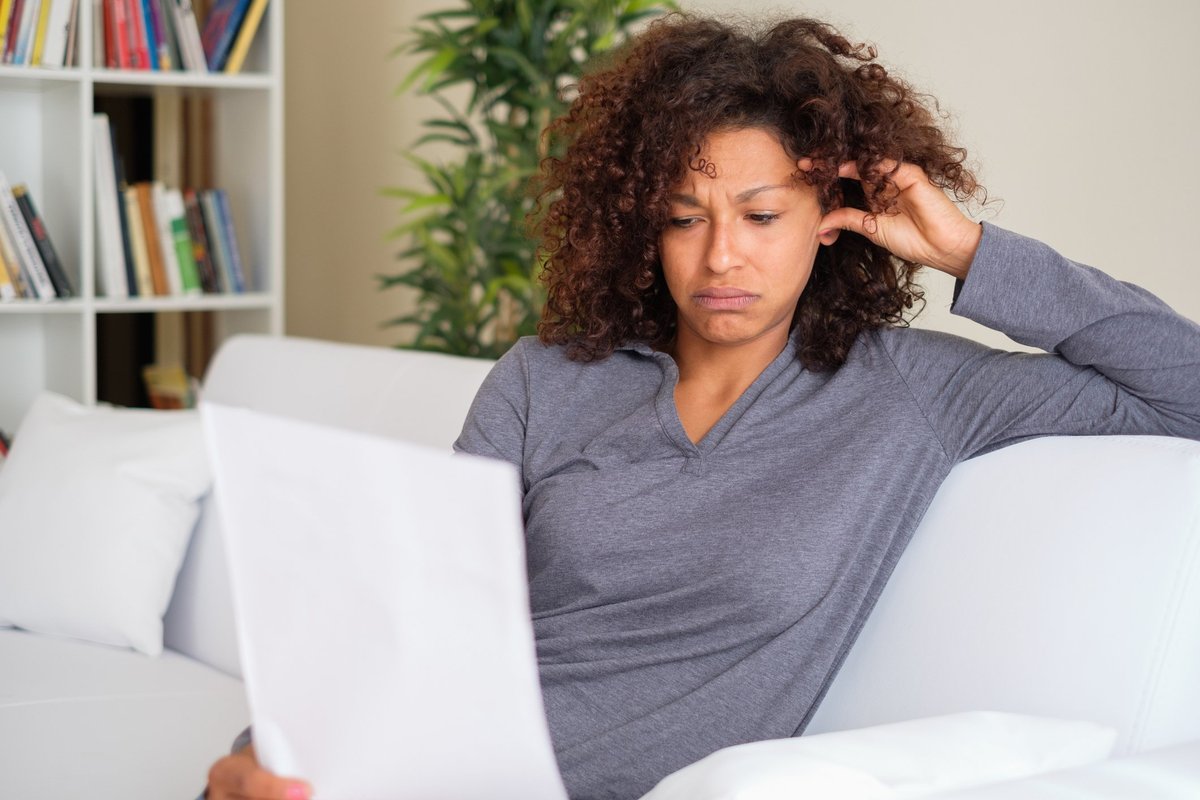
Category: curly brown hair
<point>638,124</point>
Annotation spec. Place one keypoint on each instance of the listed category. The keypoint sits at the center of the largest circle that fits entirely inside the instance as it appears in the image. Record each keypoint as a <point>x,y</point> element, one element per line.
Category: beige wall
<point>1082,114</point>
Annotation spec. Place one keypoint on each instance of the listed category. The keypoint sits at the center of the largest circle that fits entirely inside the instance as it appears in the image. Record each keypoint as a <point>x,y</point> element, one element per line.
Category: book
<point>8,290</point>
<point>111,276</point>
<point>6,7</point>
<point>29,15</point>
<point>191,49</point>
<point>143,191</point>
<point>138,42</point>
<point>216,240</point>
<point>13,30</point>
<point>119,33</point>
<point>23,243</point>
<point>137,243</point>
<point>41,238</point>
<point>131,276</point>
<point>181,240</point>
<point>169,48</point>
<point>245,36</point>
<point>229,238</point>
<point>160,53</point>
<point>69,56</point>
<point>220,28</point>
<point>38,42</point>
<point>58,24</point>
<point>165,239</point>
<point>12,263</point>
<point>201,252</point>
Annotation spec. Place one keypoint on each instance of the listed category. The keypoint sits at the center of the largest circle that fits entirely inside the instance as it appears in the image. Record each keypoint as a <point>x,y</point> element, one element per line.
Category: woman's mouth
<point>723,298</point>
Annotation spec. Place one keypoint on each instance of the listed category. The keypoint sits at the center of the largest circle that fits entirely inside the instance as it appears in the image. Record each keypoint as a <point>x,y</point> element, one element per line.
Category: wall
<point>1082,116</point>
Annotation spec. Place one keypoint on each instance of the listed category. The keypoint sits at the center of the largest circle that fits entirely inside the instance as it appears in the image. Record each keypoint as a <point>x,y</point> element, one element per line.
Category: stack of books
<point>155,240</point>
<point>164,34</point>
<point>39,33</point>
<point>29,265</point>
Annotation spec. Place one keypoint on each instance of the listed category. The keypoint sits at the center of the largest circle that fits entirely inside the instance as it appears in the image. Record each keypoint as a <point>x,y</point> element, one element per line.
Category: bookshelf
<point>59,345</point>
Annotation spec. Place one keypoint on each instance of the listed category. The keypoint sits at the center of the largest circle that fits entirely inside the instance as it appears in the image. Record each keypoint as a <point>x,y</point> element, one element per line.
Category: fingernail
<point>297,791</point>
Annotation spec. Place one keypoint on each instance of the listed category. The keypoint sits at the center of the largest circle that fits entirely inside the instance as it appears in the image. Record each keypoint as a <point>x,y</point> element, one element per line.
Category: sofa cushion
<point>86,720</point>
<point>96,506</point>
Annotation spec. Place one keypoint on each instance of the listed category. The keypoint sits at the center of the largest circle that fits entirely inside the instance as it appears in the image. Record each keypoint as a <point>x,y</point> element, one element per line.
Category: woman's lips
<point>723,298</point>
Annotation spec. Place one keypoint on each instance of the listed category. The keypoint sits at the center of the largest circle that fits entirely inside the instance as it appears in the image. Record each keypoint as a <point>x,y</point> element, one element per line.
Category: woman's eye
<point>684,222</point>
<point>762,218</point>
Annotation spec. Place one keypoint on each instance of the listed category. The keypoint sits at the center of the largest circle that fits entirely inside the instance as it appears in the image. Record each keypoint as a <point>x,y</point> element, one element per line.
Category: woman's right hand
<point>239,777</point>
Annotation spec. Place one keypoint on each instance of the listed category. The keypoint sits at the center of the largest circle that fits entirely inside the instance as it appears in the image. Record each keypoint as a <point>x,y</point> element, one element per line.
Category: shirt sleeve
<point>495,423</point>
<point>1118,360</point>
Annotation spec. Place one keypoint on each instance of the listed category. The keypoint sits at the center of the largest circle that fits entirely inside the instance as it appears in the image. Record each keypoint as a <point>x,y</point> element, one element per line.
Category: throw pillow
<point>96,506</point>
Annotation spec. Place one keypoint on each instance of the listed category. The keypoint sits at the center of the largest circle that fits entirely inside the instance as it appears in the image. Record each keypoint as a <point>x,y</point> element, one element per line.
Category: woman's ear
<point>829,235</point>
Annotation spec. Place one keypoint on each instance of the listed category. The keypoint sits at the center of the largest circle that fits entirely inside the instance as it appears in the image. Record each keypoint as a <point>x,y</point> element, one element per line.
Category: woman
<point>726,434</point>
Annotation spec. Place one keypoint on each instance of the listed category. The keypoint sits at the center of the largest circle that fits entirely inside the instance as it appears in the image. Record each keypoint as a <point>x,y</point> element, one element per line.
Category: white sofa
<point>1058,577</point>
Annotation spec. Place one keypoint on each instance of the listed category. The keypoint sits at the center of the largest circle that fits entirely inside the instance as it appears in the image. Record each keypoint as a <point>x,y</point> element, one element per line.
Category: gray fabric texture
<point>687,597</point>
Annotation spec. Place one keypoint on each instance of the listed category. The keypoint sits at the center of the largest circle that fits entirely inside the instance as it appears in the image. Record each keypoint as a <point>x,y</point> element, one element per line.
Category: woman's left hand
<point>924,225</point>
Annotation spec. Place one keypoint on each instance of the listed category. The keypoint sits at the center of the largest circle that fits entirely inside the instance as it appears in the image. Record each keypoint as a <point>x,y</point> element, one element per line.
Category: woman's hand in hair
<point>239,777</point>
<point>923,225</point>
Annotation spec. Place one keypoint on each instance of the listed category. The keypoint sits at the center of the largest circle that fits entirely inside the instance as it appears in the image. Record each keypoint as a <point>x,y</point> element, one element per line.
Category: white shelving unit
<point>45,142</point>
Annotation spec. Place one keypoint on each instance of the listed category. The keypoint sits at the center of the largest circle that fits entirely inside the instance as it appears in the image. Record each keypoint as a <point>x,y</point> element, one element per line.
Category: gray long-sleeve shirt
<point>688,597</point>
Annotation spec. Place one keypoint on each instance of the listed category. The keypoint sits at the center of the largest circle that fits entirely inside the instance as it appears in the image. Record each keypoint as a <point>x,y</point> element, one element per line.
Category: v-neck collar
<point>668,411</point>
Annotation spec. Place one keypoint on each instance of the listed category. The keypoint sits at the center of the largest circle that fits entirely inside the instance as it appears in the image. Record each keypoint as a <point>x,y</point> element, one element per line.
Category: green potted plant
<point>467,255</point>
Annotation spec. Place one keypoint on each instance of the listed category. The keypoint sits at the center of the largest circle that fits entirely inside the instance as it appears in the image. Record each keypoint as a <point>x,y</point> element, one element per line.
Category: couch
<point>1057,577</point>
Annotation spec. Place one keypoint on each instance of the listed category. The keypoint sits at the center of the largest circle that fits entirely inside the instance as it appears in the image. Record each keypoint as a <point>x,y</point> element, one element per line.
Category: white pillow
<point>96,506</point>
<point>905,759</point>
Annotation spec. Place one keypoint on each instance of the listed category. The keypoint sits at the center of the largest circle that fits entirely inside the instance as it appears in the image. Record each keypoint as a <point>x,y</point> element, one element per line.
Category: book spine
<point>8,253</point>
<point>191,35</point>
<point>220,29</point>
<point>171,51</point>
<point>137,243</point>
<point>23,244</point>
<point>41,238</point>
<point>245,37</point>
<point>158,272</point>
<point>118,14</point>
<point>166,240</point>
<point>7,290</point>
<point>109,230</point>
<point>58,32</point>
<point>13,30</point>
<point>39,36</point>
<point>152,34</point>
<point>29,14</point>
<point>6,7</point>
<point>138,42</point>
<point>162,42</point>
<point>188,271</point>
<point>216,240</point>
<point>69,54</point>
<point>229,236</point>
<point>201,251</point>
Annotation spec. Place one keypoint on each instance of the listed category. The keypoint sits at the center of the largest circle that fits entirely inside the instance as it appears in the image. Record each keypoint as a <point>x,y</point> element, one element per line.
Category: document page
<point>383,613</point>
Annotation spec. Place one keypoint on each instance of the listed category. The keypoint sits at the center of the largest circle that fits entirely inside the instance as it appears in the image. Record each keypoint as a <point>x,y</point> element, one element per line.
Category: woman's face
<point>739,243</point>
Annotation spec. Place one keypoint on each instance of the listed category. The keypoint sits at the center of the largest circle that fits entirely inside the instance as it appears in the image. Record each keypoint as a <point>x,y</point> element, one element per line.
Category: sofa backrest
<point>1057,577</point>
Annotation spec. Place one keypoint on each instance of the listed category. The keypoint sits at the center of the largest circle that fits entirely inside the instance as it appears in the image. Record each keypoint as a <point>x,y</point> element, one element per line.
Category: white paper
<point>383,613</point>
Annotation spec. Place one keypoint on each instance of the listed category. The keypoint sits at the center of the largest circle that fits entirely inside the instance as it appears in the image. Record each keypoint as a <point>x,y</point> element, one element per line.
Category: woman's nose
<point>724,253</point>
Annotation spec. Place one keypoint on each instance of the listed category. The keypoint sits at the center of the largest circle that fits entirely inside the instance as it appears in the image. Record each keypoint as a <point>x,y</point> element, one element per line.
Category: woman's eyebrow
<point>743,197</point>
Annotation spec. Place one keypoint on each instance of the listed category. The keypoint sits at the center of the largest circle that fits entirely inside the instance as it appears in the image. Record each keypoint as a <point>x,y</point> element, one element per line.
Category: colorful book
<point>138,39</point>
<point>13,29</point>
<point>29,16</point>
<point>144,192</point>
<point>201,252</point>
<point>181,240</point>
<point>7,290</point>
<point>118,15</point>
<point>12,265</point>
<point>166,240</point>
<point>39,34</point>
<point>229,237</point>
<point>41,238</point>
<point>169,47</point>
<point>137,243</point>
<point>160,52</point>
<point>6,7</point>
<point>216,240</point>
<point>220,29</point>
<point>110,251</point>
<point>23,243</point>
<point>245,36</point>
